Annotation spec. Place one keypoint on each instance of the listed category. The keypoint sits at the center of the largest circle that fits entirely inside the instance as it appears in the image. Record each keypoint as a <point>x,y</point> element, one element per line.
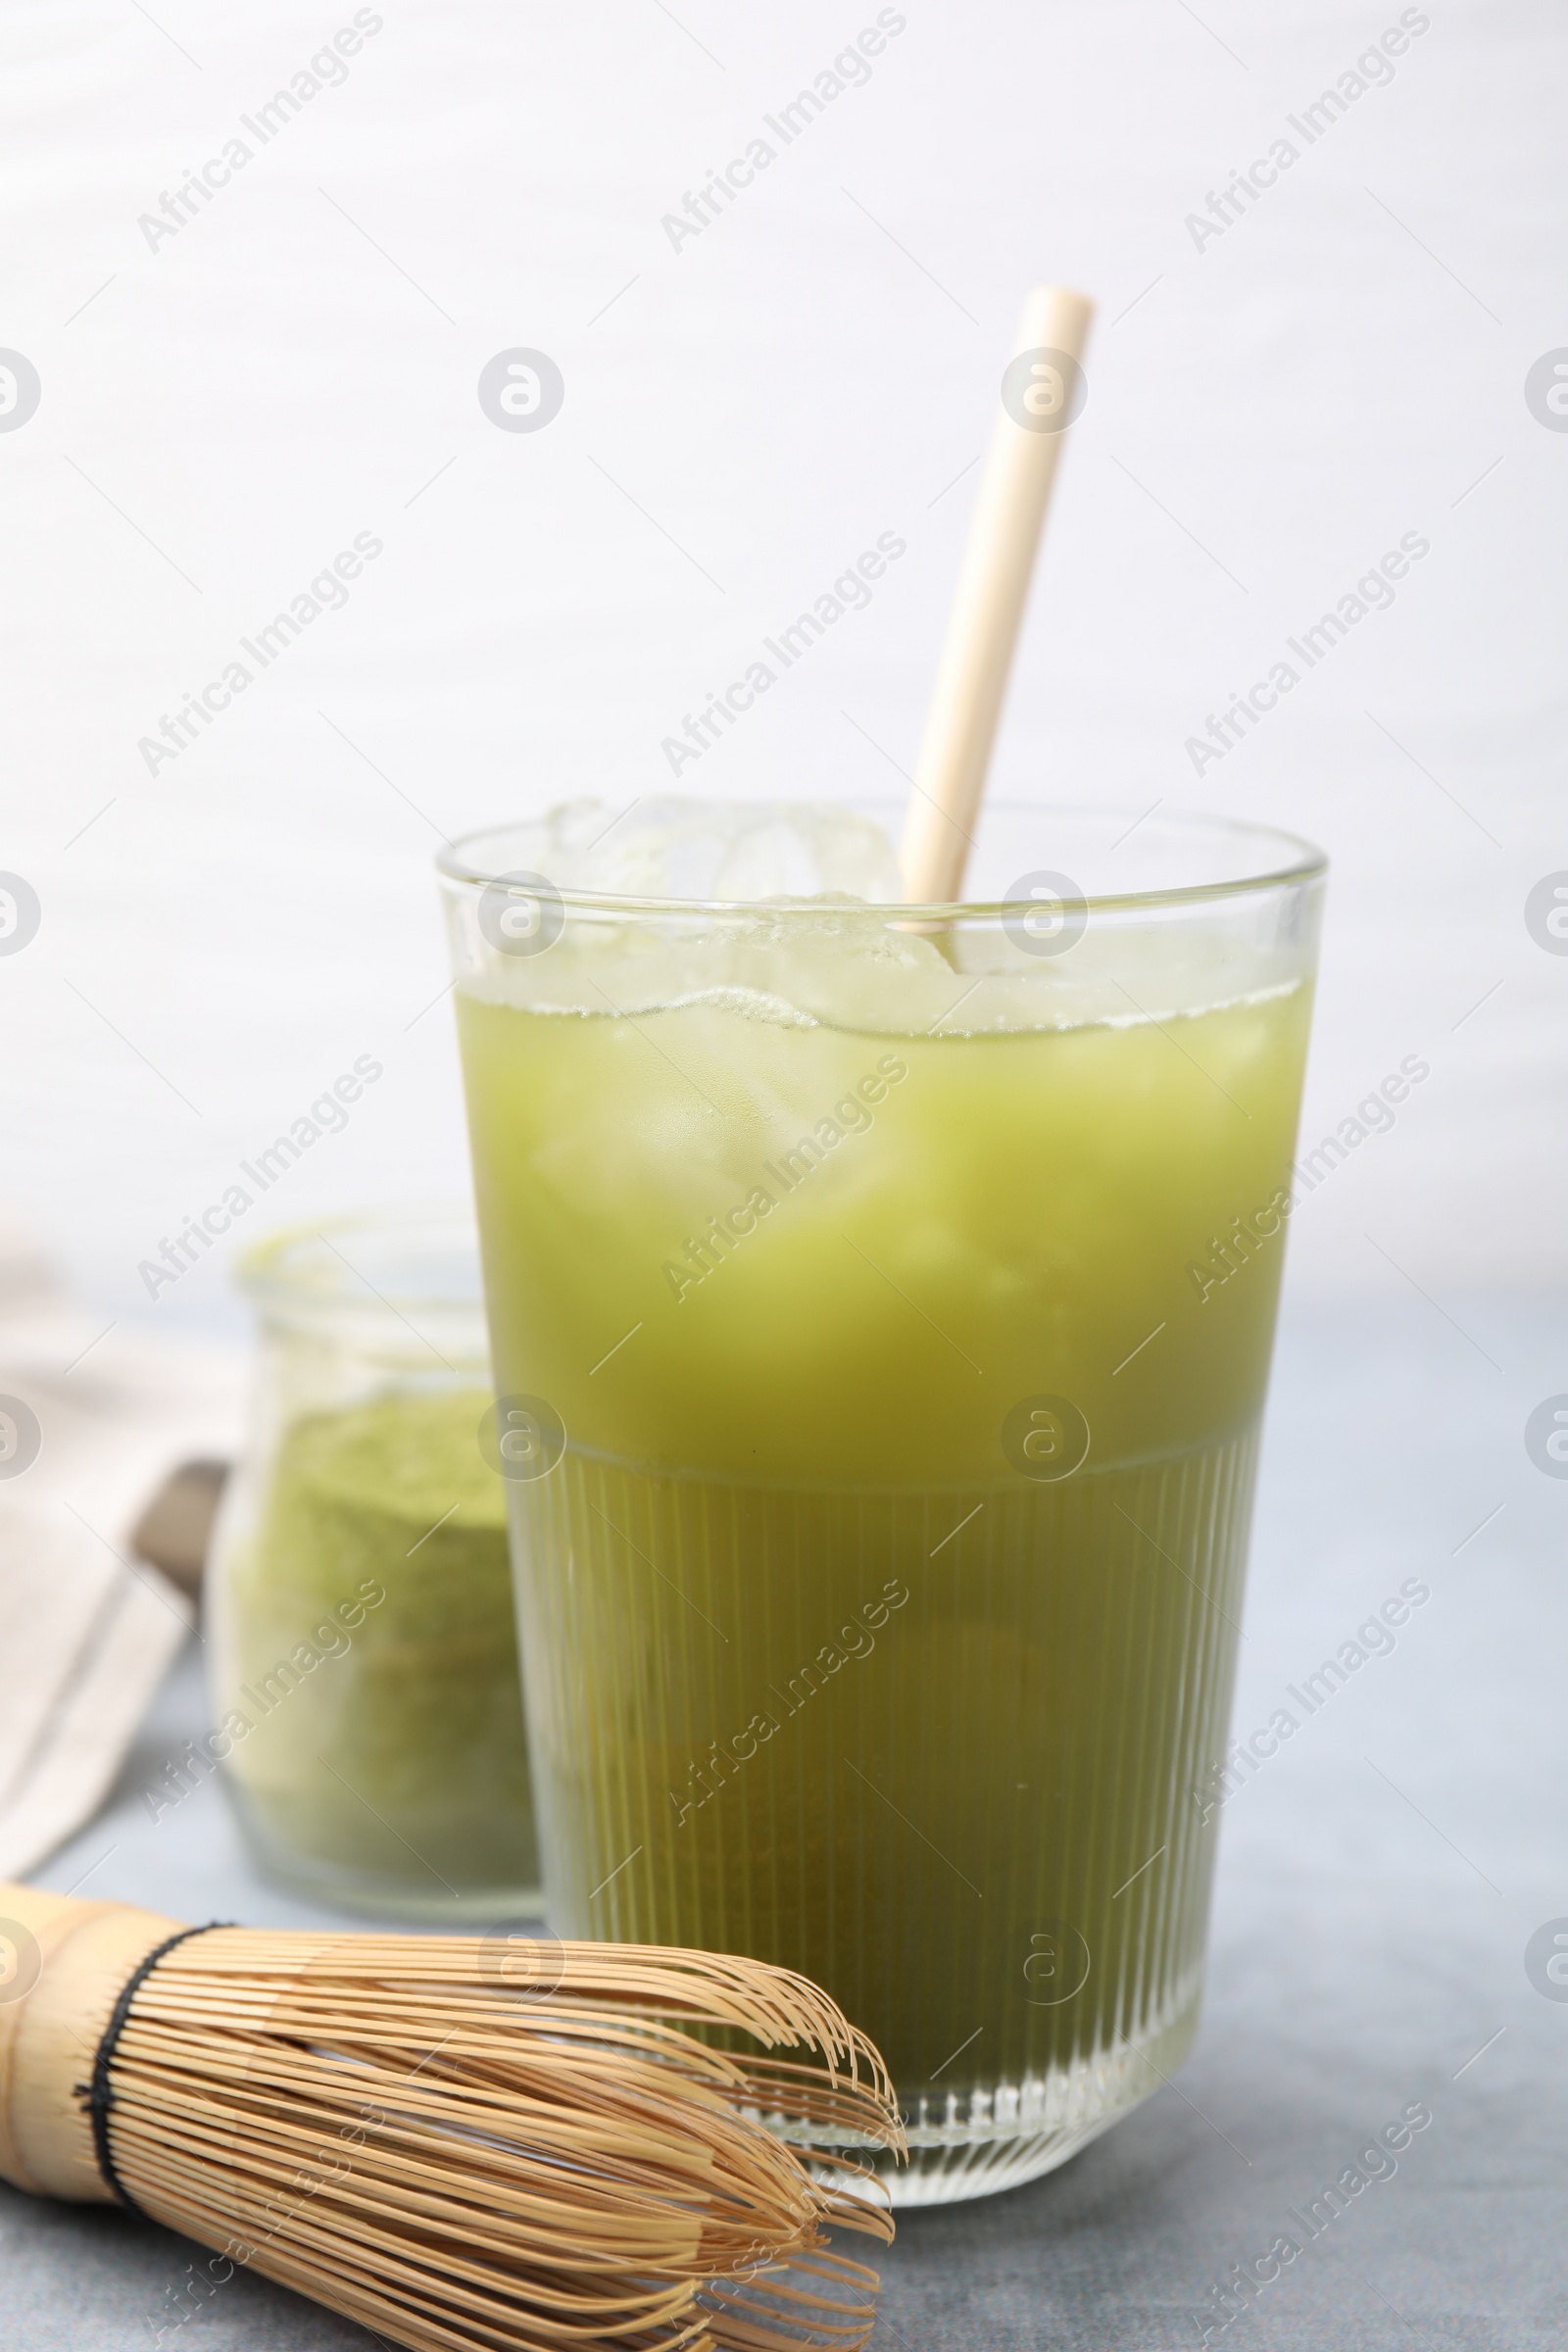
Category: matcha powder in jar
<point>362,1641</point>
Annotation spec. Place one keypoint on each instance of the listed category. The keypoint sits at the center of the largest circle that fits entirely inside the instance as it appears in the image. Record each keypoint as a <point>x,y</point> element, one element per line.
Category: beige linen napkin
<point>99,1414</point>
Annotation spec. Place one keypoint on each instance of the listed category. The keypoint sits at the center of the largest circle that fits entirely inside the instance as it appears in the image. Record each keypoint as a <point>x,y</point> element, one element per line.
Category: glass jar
<point>361,1642</point>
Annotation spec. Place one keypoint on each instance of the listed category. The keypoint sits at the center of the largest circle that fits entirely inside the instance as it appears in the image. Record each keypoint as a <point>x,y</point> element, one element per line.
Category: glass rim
<point>1301,861</point>
<point>269,1276</point>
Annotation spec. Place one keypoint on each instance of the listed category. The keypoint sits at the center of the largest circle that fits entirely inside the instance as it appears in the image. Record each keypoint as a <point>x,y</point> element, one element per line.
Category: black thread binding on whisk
<point>99,2092</point>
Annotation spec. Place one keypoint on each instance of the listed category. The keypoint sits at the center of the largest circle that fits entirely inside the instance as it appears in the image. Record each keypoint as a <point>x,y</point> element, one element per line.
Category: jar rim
<point>300,1270</point>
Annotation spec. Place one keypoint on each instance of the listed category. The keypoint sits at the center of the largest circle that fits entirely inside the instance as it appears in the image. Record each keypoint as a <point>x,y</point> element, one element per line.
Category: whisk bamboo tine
<point>538,2157</point>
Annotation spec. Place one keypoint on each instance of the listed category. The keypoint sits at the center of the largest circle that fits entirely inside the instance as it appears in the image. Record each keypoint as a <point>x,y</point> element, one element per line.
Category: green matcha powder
<point>387,1748</point>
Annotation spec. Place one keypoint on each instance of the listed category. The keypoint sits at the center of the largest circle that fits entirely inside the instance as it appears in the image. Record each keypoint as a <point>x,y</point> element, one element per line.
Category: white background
<point>1266,417</point>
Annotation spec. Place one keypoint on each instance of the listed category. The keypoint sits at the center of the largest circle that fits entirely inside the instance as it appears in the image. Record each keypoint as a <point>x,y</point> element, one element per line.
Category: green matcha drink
<point>362,1630</point>
<point>888,1310</point>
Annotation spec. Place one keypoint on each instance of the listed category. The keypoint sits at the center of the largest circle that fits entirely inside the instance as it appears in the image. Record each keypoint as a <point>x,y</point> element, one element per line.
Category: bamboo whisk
<point>461,2142</point>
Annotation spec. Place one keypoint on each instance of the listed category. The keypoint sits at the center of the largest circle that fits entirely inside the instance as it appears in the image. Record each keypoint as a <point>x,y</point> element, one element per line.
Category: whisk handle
<point>63,1965</point>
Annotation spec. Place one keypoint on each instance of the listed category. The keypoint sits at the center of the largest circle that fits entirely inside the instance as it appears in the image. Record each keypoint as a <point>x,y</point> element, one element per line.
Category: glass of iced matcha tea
<point>881,1301</point>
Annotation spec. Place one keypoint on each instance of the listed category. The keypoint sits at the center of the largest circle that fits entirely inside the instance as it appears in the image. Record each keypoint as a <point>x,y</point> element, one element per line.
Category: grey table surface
<point>1380,1881</point>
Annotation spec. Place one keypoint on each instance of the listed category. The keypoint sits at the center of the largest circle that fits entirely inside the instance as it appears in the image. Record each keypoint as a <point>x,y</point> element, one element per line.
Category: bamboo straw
<point>392,2125</point>
<point>1041,390</point>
